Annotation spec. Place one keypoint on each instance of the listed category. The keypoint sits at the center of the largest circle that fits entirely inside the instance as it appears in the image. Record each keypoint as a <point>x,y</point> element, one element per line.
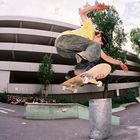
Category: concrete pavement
<point>13,126</point>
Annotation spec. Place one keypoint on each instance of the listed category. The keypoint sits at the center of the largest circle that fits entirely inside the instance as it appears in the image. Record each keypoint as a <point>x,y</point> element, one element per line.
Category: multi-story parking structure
<point>23,43</point>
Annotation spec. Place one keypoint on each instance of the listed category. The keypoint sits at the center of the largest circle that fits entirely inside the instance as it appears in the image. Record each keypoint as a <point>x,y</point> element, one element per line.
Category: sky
<point>67,10</point>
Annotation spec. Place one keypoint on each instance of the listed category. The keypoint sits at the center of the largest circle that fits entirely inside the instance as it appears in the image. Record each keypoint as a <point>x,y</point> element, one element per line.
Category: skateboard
<point>87,77</point>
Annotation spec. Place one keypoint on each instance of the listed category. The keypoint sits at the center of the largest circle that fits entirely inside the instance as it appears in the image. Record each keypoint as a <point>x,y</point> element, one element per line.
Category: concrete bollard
<point>100,112</point>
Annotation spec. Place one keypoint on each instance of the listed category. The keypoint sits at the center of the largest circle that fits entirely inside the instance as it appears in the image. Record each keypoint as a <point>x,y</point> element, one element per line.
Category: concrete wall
<point>56,89</point>
<point>24,88</point>
<point>4,80</point>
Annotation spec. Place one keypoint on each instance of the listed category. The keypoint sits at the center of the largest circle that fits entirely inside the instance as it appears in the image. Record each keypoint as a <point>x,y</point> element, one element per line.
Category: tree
<point>135,39</point>
<point>45,71</point>
<point>109,22</point>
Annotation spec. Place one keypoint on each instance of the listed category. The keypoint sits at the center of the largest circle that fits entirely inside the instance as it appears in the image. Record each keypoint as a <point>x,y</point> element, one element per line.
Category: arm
<point>114,61</point>
<point>83,13</point>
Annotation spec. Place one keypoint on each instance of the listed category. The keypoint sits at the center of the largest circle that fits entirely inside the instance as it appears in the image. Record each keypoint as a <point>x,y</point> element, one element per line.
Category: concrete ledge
<point>138,99</point>
<point>115,120</point>
<point>49,111</point>
<point>121,108</point>
<point>128,104</point>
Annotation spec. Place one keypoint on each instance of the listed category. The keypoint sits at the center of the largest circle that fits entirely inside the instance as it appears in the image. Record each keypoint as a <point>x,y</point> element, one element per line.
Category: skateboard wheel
<point>99,83</point>
<point>64,88</point>
<point>85,79</point>
<point>75,91</point>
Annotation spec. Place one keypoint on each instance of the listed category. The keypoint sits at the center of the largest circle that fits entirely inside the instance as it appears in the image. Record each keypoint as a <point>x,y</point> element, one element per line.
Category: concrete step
<point>48,111</point>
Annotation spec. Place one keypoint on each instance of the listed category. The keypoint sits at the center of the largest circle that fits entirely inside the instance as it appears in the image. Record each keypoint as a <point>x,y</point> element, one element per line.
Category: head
<point>99,38</point>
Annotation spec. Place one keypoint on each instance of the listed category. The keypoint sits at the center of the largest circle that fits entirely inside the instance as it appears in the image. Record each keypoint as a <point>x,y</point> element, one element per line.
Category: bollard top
<point>101,100</point>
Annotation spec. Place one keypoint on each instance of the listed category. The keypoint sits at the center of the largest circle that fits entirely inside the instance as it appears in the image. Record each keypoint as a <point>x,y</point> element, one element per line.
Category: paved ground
<point>13,126</point>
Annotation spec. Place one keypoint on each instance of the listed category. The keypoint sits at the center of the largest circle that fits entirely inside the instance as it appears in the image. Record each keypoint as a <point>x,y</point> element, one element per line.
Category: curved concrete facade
<point>23,43</point>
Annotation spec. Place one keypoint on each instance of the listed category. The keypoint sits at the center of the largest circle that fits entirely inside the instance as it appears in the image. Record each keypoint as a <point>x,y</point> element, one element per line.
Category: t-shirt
<point>87,30</point>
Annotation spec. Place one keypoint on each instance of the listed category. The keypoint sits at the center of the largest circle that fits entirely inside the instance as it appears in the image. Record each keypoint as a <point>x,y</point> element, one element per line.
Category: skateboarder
<point>85,44</point>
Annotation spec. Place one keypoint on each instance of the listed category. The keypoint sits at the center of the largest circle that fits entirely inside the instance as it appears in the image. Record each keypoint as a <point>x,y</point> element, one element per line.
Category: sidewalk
<point>13,126</point>
<point>130,124</point>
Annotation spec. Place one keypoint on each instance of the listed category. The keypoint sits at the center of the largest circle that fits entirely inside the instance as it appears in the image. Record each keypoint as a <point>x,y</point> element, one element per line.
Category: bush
<point>64,99</point>
<point>115,105</point>
<point>3,97</point>
<point>127,97</point>
<point>67,99</point>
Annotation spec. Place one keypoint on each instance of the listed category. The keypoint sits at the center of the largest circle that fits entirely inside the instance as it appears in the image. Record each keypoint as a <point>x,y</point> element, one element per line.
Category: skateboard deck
<point>87,77</point>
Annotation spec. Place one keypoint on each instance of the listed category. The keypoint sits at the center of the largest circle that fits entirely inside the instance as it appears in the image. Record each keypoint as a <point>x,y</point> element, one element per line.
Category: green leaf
<point>110,24</point>
<point>135,38</point>
<point>45,71</point>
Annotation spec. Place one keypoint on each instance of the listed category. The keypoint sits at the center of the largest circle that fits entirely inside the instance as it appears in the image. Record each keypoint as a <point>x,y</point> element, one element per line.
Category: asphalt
<point>14,126</point>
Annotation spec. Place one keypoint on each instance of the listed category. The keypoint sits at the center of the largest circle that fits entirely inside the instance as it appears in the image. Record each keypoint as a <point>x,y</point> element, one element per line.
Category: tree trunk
<point>45,91</point>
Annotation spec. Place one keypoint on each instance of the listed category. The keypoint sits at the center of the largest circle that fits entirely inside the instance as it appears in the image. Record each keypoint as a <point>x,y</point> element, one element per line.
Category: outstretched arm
<point>83,13</point>
<point>114,61</point>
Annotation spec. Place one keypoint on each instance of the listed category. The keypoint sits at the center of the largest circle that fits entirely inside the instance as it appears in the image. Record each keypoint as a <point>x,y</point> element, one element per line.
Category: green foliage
<point>110,24</point>
<point>45,71</point>
<point>135,38</point>
<point>127,97</point>
<point>115,105</point>
<point>64,99</point>
<point>3,97</point>
<point>67,99</point>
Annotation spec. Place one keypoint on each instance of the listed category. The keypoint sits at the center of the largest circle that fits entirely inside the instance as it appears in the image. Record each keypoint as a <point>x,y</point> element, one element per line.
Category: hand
<point>100,6</point>
<point>124,67</point>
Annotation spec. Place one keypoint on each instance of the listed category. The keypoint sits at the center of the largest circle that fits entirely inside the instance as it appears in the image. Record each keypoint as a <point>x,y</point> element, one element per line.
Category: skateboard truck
<point>74,90</point>
<point>89,79</point>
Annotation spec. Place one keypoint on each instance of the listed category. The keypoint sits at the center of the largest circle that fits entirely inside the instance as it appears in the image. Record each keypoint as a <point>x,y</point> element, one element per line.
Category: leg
<point>90,56</point>
<point>69,45</point>
<point>83,66</point>
<point>92,53</point>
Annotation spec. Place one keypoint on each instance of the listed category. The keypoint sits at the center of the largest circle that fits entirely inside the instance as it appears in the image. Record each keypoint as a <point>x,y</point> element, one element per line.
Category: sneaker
<point>70,74</point>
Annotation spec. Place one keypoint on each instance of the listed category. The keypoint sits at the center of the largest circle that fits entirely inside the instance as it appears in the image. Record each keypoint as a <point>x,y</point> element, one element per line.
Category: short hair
<point>104,40</point>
